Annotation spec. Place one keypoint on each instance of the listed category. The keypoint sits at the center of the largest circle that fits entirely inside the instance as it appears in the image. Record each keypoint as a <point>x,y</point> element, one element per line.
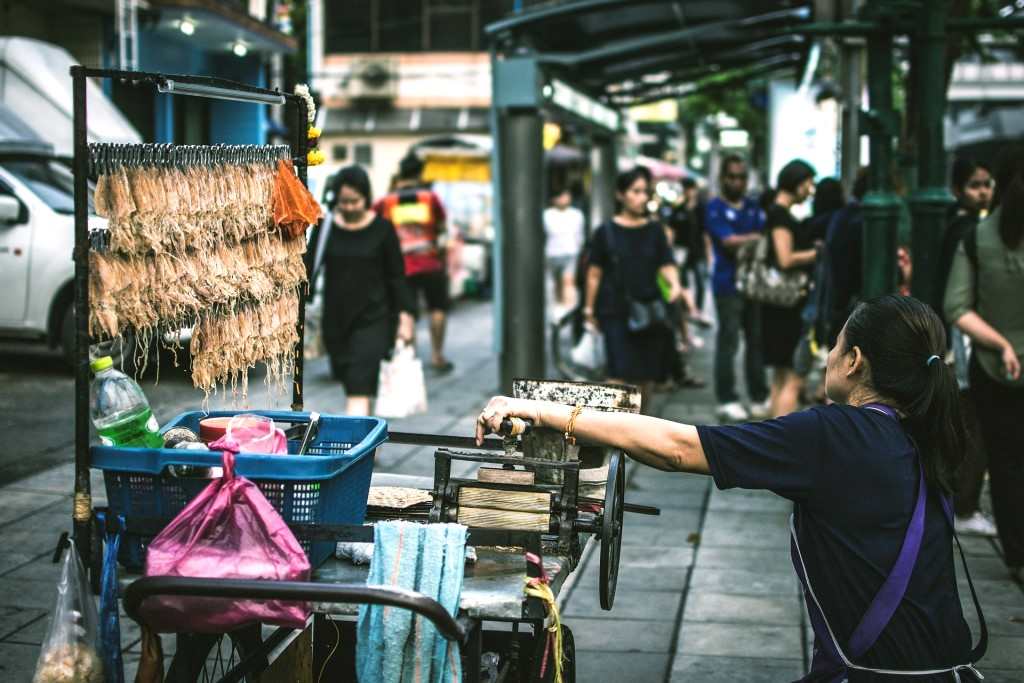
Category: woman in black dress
<point>789,248</point>
<point>366,302</point>
<point>628,255</point>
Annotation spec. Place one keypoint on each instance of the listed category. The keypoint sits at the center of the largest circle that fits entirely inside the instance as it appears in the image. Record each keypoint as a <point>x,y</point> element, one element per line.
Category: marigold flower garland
<point>314,157</point>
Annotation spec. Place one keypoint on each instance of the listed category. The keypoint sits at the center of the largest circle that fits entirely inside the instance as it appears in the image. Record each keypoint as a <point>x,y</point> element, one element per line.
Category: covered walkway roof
<point>633,51</point>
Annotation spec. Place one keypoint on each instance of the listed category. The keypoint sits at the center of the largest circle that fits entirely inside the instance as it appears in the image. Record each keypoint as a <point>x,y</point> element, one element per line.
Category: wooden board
<point>504,519</point>
<point>518,501</point>
<point>499,475</point>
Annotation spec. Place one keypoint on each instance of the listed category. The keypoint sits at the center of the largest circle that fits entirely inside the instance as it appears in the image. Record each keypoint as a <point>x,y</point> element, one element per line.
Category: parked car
<point>37,237</point>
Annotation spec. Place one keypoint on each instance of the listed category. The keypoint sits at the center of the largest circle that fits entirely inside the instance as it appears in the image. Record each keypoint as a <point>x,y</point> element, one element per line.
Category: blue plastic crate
<point>327,485</point>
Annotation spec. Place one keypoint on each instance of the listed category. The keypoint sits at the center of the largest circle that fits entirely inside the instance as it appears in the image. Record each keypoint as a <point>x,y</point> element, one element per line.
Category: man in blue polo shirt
<point>733,219</point>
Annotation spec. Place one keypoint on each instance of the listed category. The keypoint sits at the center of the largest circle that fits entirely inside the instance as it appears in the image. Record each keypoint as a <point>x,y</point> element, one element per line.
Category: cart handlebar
<point>300,591</point>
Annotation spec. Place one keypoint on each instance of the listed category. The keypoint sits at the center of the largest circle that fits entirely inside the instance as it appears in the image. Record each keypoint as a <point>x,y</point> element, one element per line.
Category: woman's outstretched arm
<point>661,444</point>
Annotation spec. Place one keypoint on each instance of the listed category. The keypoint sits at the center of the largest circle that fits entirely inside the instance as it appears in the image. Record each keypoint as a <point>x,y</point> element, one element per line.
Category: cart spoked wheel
<point>568,656</point>
<point>207,658</point>
<point>611,529</point>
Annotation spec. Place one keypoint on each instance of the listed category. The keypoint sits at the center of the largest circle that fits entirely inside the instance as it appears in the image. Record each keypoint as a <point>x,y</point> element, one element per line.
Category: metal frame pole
<point>522,245</point>
<point>881,205</point>
<point>930,203</point>
<point>82,514</point>
<point>299,146</point>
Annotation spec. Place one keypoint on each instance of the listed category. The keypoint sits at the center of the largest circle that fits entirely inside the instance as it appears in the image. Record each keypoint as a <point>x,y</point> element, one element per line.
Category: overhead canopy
<point>633,51</point>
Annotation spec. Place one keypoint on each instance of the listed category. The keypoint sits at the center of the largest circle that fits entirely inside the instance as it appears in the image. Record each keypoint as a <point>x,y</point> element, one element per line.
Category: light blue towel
<point>392,646</point>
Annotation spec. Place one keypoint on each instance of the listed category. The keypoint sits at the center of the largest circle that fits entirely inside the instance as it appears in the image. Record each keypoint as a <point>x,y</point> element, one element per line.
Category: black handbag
<point>641,316</point>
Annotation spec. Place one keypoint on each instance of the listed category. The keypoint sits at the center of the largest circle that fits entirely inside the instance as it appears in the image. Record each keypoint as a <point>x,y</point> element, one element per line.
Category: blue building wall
<point>233,123</point>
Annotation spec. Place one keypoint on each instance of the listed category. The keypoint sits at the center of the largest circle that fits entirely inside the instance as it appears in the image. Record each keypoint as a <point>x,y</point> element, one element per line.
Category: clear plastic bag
<point>402,390</point>
<point>589,350</point>
<point>69,652</point>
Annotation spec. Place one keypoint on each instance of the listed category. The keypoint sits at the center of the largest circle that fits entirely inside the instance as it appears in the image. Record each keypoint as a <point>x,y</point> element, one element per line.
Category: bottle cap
<point>101,363</point>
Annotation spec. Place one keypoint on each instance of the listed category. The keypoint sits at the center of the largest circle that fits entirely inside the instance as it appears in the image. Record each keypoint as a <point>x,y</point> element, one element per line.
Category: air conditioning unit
<point>372,79</point>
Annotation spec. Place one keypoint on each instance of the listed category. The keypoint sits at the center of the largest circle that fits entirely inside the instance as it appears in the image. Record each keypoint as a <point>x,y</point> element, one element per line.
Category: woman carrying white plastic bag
<point>401,389</point>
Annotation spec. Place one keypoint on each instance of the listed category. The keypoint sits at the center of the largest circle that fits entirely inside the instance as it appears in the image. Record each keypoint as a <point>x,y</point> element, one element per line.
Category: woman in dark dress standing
<point>628,254</point>
<point>366,302</point>
<point>789,248</point>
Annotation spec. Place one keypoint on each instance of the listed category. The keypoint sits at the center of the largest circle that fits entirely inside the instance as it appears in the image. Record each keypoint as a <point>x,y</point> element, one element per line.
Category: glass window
<point>364,154</point>
<point>340,152</point>
<point>451,30</point>
<point>49,180</point>
<point>399,26</point>
<point>347,26</point>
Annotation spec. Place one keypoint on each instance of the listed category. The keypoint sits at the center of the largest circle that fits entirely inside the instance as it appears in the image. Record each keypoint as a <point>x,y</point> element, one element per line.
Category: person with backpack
<point>789,249</point>
<point>419,217</point>
<point>983,299</point>
<point>971,183</point>
<point>871,535</point>
<point>623,299</point>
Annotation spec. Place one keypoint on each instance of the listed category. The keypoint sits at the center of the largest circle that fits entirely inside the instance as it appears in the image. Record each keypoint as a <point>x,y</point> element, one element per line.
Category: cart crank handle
<point>512,427</point>
<point>627,507</point>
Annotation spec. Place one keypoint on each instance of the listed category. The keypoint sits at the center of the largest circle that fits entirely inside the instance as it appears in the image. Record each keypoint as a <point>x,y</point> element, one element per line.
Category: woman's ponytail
<point>903,340</point>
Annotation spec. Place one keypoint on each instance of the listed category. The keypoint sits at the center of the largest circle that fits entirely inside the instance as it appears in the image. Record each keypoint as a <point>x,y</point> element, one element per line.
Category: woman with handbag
<point>623,298</point>
<point>366,301</point>
<point>789,248</point>
<point>983,300</point>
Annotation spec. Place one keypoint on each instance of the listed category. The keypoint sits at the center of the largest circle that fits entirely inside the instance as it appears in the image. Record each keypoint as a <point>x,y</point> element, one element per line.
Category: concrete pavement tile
<point>743,581</point>
<point>39,569</point>
<point>600,665</point>
<point>739,640</point>
<point>31,633</point>
<point>630,603</point>
<point>741,529</point>
<point>747,501</point>
<point>765,560</point>
<point>666,500</point>
<point>978,545</point>
<point>27,593</point>
<point>17,504</point>
<point>671,519</point>
<point>650,479</point>
<point>18,662</point>
<point>643,537</point>
<point>622,635</point>
<point>640,575</point>
<point>729,669</point>
<point>986,568</point>
<point>11,561</point>
<point>1001,675</point>
<point>13,620</point>
<point>742,609</point>
<point>1004,652</point>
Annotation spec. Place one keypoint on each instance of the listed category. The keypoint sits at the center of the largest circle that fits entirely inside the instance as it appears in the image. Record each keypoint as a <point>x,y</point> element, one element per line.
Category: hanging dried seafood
<point>204,237</point>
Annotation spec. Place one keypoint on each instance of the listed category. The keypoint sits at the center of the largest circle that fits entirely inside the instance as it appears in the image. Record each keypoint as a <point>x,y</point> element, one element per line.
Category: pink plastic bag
<point>228,531</point>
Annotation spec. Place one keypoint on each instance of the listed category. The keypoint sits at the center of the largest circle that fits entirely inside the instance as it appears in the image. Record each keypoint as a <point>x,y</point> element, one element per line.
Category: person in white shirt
<point>563,229</point>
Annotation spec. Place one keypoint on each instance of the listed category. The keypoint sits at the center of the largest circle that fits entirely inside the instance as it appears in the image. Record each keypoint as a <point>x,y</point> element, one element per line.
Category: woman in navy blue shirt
<point>869,476</point>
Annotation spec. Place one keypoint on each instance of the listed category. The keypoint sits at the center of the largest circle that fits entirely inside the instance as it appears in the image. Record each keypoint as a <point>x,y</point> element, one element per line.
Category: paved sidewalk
<point>705,591</point>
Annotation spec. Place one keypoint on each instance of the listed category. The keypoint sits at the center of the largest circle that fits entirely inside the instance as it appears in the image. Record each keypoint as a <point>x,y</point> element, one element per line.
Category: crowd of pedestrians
<point>647,268</point>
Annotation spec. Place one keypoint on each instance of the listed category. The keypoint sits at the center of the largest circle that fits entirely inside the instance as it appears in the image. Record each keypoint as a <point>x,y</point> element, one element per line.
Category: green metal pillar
<point>881,205</point>
<point>930,203</point>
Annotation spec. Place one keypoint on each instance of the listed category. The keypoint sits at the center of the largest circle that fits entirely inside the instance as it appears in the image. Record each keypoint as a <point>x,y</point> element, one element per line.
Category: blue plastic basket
<point>327,485</point>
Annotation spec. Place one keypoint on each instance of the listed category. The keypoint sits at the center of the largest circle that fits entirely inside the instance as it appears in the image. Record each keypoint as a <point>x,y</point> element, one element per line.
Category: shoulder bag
<point>758,279</point>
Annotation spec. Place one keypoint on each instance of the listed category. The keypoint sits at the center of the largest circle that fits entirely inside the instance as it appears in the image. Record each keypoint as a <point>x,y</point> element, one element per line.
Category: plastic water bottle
<point>120,410</point>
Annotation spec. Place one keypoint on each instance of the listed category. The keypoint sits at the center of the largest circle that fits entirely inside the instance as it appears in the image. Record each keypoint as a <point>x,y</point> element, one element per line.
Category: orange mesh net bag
<point>294,208</point>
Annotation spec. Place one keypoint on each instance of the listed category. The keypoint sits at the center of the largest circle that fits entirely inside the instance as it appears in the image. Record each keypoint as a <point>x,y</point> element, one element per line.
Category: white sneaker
<point>761,411</point>
<point>732,412</point>
<point>977,524</point>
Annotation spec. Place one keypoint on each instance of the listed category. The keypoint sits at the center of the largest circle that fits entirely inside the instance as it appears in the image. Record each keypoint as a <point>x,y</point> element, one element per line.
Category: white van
<point>37,237</point>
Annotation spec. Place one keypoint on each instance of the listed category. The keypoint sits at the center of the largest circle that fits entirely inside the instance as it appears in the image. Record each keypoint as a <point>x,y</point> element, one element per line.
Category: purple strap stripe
<point>892,591</point>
